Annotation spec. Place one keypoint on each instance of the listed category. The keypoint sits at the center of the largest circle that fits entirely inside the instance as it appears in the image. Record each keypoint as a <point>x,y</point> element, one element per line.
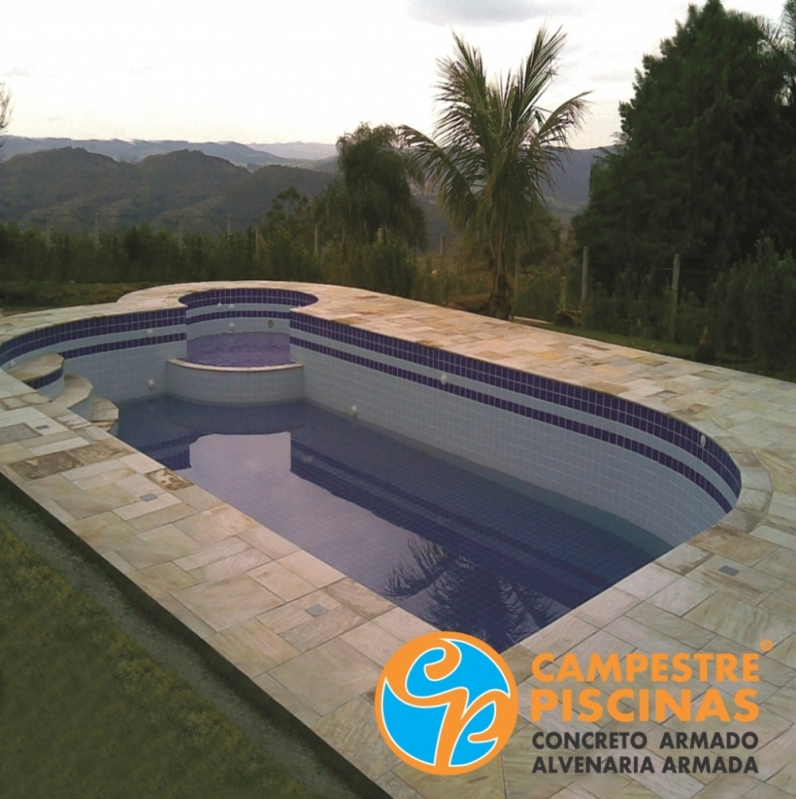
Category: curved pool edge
<point>185,539</point>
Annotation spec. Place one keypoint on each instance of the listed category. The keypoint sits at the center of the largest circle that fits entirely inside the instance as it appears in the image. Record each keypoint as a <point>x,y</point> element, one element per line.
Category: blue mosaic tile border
<point>201,299</point>
<point>88,328</point>
<point>584,400</point>
<point>112,346</point>
<point>238,314</point>
<point>144,320</point>
<point>46,380</point>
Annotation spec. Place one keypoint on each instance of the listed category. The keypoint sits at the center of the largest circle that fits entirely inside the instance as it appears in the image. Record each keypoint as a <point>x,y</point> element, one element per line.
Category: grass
<point>86,713</point>
<point>22,296</point>
<point>684,351</point>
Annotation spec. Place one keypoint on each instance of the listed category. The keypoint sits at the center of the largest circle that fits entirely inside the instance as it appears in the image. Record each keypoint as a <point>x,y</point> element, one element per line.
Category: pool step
<point>104,413</point>
<point>45,373</point>
<point>76,395</point>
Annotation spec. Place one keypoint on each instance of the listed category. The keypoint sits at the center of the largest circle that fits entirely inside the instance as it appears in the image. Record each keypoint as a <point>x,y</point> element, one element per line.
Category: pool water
<point>463,548</point>
<point>240,350</point>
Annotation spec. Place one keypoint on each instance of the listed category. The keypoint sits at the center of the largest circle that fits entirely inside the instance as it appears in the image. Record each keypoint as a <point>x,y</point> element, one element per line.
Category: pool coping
<point>190,552</point>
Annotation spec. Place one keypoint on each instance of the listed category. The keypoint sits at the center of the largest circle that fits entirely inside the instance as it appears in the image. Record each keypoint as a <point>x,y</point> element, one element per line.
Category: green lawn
<point>685,351</point>
<point>86,713</point>
<point>22,296</point>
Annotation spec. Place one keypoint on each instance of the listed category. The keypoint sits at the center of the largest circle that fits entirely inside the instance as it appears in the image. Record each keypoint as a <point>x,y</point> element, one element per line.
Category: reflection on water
<point>482,556</point>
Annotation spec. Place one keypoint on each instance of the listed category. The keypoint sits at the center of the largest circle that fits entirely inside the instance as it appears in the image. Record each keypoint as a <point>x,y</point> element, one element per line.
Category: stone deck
<point>315,641</point>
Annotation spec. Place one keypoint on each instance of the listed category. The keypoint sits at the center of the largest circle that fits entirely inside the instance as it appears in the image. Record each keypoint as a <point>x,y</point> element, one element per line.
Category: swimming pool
<point>643,436</point>
<point>474,552</point>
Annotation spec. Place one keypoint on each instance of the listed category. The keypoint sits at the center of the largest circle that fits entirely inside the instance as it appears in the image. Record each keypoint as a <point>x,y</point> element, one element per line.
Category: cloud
<point>19,72</point>
<point>488,12</point>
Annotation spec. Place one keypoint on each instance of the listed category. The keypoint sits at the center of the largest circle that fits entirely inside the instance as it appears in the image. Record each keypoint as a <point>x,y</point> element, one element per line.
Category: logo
<point>446,703</point>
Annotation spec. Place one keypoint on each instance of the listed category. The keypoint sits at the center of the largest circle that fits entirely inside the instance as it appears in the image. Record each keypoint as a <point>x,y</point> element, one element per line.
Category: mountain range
<point>128,183</point>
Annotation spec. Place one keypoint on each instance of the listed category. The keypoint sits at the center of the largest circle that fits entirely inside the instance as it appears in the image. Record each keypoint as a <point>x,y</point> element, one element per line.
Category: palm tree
<point>494,150</point>
<point>372,192</point>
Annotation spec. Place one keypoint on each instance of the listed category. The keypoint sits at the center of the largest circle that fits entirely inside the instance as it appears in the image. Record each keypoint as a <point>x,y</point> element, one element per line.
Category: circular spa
<point>477,496</point>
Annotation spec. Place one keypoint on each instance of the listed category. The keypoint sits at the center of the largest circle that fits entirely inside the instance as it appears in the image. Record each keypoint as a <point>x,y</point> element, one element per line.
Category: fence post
<point>675,287</point>
<point>584,286</point>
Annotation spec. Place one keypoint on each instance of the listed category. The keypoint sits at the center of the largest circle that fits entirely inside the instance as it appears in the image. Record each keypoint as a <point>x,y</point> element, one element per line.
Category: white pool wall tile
<point>232,387</point>
<point>582,467</point>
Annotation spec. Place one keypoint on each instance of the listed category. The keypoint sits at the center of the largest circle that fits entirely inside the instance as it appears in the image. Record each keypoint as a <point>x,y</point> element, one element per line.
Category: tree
<point>706,159</point>
<point>373,192</point>
<point>495,149</point>
<point>5,108</point>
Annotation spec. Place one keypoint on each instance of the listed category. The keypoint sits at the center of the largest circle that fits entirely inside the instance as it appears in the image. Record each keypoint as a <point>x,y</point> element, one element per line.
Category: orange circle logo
<point>446,703</point>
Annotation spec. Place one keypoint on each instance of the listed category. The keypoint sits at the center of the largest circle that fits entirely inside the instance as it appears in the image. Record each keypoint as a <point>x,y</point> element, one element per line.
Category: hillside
<point>132,152</point>
<point>73,185</point>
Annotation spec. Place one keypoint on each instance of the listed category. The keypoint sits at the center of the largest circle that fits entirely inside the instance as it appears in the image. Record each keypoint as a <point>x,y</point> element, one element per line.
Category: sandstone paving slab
<point>649,639</point>
<point>646,581</point>
<point>96,500</point>
<point>227,602</point>
<point>687,634</point>
<point>163,578</point>
<point>560,636</point>
<point>187,617</point>
<point>311,569</point>
<point>160,545</point>
<point>776,536</point>
<point>244,561</point>
<point>324,627</point>
<point>785,779</point>
<point>402,625</point>
<point>334,663</point>
<point>683,558</point>
<point>100,478</point>
<point>739,621</point>
<point>518,757</point>
<point>782,602</point>
<point>681,596</point>
<point>745,584</point>
<point>785,652</point>
<point>395,787</point>
<point>212,554</point>
<point>289,615</point>
<point>360,599</point>
<point>781,565</point>
<point>284,582</point>
<point>157,518</point>
<point>198,498</point>
<point>783,701</point>
<point>766,791</point>
<point>104,531</point>
<point>351,729</point>
<point>268,542</point>
<point>32,468</point>
<point>144,507</point>
<point>372,641</point>
<point>252,647</point>
<point>56,486</point>
<point>287,699</point>
<point>485,783</point>
<point>605,607</point>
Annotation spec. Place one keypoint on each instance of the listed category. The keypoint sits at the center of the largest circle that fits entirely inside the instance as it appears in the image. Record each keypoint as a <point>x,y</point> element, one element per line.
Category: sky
<point>304,70</point>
